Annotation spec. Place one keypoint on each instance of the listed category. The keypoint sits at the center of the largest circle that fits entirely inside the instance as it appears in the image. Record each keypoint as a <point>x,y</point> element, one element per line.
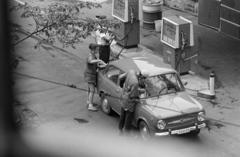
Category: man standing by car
<point>129,98</point>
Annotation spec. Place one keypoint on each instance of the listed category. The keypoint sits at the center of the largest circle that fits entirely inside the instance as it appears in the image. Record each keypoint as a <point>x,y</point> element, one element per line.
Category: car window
<point>163,84</point>
<point>112,74</point>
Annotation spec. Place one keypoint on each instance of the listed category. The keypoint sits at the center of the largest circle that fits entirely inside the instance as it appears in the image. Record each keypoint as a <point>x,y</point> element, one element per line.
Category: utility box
<point>130,33</point>
<point>233,4</point>
<point>177,38</point>
<point>209,13</point>
<point>230,18</point>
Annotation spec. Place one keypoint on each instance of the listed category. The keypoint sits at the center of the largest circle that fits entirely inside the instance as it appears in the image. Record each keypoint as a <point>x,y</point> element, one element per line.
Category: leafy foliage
<point>61,22</point>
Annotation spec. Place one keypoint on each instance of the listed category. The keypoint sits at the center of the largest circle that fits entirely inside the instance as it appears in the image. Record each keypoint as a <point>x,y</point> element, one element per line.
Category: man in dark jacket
<point>129,98</point>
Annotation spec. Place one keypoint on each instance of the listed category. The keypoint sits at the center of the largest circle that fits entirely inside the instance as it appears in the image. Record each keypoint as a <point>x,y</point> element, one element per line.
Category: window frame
<point>177,77</point>
<point>108,77</point>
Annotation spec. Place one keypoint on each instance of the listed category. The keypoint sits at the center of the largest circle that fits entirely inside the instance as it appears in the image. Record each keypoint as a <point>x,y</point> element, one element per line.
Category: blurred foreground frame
<point>11,144</point>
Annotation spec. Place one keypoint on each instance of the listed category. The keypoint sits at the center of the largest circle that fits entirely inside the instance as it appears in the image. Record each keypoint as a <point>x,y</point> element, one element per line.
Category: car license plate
<point>183,131</point>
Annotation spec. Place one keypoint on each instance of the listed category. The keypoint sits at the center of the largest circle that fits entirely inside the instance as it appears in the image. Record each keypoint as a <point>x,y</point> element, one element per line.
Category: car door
<point>110,82</point>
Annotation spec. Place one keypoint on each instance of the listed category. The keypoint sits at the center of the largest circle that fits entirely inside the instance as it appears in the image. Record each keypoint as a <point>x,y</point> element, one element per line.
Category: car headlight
<point>161,124</point>
<point>201,116</point>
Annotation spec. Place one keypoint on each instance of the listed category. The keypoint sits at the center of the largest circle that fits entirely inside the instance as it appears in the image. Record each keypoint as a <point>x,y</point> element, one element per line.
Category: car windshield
<point>162,84</point>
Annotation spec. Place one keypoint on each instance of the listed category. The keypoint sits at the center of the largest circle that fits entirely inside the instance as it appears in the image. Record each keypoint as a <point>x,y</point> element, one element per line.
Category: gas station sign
<point>190,6</point>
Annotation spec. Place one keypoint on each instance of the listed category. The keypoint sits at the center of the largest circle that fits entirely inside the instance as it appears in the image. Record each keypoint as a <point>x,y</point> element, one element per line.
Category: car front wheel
<point>144,131</point>
<point>105,105</point>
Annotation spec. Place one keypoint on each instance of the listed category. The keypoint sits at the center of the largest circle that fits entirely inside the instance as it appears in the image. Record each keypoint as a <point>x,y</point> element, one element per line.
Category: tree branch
<point>35,32</point>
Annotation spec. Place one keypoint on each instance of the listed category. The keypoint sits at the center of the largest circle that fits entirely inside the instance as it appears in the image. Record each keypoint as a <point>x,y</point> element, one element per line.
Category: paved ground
<point>218,52</point>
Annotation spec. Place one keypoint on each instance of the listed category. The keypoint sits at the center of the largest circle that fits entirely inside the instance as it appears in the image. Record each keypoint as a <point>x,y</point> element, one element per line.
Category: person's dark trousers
<point>125,121</point>
<point>104,53</point>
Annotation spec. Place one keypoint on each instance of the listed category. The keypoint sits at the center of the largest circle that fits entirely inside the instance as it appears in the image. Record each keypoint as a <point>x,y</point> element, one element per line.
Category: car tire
<point>195,132</point>
<point>105,105</point>
<point>144,131</point>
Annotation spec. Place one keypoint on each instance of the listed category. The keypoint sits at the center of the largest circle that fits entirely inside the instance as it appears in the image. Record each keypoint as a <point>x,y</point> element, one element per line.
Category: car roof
<point>153,65</point>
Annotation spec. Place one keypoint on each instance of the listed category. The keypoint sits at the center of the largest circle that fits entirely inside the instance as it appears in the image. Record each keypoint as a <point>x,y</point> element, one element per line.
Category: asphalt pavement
<point>218,53</point>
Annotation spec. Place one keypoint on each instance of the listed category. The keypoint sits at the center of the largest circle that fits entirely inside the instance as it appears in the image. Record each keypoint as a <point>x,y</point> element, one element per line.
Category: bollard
<point>208,93</point>
<point>212,77</point>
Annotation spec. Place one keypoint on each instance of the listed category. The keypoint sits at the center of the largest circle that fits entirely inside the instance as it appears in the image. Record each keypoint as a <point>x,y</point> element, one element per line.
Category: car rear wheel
<point>144,131</point>
<point>105,105</point>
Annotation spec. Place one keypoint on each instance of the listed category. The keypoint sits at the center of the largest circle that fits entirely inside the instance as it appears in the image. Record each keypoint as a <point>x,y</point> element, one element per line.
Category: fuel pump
<point>128,34</point>
<point>177,39</point>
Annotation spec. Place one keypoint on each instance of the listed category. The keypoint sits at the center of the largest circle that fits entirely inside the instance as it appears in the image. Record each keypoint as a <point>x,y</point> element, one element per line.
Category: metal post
<point>212,75</point>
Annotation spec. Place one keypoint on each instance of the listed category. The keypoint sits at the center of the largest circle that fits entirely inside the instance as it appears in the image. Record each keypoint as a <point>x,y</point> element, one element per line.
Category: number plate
<point>183,131</point>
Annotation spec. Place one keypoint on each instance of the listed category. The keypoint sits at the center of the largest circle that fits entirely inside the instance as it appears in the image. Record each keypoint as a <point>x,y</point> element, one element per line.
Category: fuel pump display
<point>169,33</point>
<point>172,28</point>
<point>119,9</point>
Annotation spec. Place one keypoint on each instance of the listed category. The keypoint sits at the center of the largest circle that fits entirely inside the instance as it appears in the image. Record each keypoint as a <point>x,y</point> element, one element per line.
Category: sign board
<point>176,31</point>
<point>121,9</point>
<point>169,33</point>
<point>190,6</point>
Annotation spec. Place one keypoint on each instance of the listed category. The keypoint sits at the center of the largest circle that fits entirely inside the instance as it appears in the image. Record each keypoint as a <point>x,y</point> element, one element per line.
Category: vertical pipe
<point>212,76</point>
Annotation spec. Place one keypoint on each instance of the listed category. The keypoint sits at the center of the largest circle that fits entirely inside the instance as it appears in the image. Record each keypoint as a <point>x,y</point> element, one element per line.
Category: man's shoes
<point>132,136</point>
<point>120,133</point>
<point>94,104</point>
<point>92,108</point>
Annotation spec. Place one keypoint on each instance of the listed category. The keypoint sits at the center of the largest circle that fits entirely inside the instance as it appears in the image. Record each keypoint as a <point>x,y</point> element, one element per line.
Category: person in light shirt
<point>103,40</point>
<point>90,74</point>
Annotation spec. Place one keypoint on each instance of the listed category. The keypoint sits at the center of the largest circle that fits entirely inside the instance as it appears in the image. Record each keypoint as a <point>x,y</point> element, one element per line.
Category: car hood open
<point>172,105</point>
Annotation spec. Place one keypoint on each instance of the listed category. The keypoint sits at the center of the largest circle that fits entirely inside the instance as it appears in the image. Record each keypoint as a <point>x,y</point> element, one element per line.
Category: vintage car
<point>164,109</point>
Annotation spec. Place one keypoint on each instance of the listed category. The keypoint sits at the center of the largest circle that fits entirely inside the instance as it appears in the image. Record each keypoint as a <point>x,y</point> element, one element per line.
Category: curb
<point>205,94</point>
<point>25,117</point>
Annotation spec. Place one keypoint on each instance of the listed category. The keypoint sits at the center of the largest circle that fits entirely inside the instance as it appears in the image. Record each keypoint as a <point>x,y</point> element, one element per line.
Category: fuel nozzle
<point>184,42</point>
<point>131,14</point>
<point>101,17</point>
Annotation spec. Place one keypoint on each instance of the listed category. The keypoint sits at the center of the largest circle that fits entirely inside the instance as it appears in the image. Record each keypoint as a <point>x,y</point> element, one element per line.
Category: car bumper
<point>181,131</point>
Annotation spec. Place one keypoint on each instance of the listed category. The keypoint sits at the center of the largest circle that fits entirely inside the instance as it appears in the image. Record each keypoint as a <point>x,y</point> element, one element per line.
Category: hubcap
<point>144,132</point>
<point>105,104</point>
